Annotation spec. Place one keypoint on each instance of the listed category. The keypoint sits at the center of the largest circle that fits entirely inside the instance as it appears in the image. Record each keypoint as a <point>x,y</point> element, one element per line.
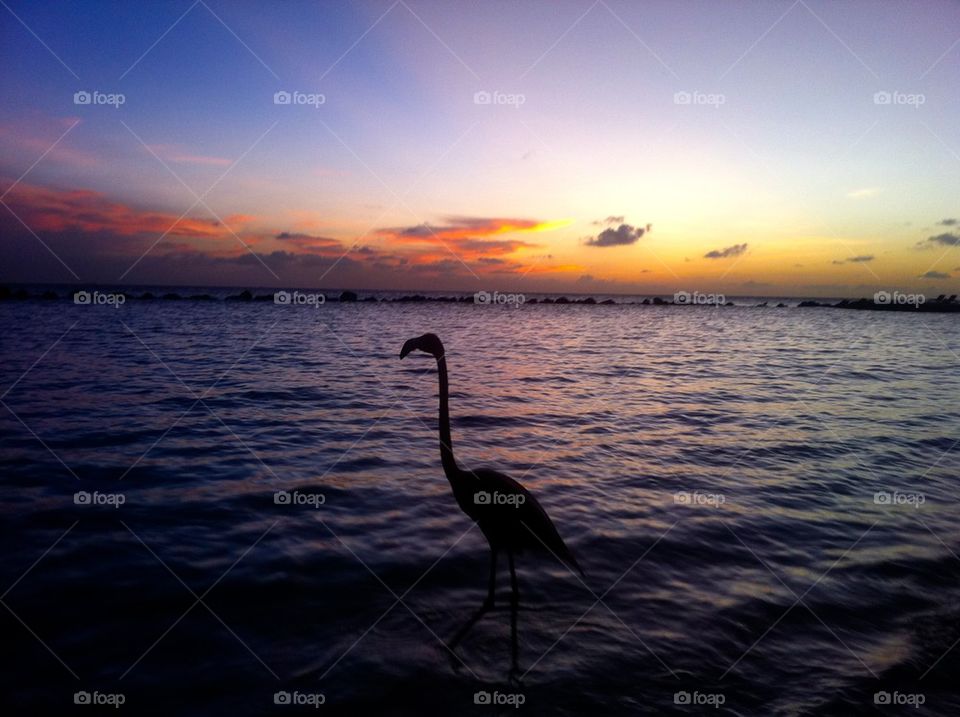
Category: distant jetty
<point>882,301</point>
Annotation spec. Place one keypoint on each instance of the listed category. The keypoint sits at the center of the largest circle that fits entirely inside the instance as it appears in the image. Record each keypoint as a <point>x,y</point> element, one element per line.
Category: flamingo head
<point>428,343</point>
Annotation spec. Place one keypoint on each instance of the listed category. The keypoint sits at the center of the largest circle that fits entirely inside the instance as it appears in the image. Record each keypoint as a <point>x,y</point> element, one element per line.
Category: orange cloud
<point>55,210</point>
<point>458,228</point>
<point>93,224</point>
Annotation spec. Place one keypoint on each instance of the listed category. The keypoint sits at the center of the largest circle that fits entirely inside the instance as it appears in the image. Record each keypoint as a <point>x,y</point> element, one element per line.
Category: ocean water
<point>764,502</point>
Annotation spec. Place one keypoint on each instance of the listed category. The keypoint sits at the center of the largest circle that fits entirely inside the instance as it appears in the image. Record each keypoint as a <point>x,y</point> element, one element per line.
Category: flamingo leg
<point>514,606</point>
<point>491,589</point>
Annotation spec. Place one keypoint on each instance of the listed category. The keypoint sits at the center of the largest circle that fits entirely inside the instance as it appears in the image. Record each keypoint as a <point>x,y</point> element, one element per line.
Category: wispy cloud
<point>934,275</point>
<point>863,259</point>
<point>609,220</point>
<point>735,250</point>
<point>175,153</point>
<point>864,193</point>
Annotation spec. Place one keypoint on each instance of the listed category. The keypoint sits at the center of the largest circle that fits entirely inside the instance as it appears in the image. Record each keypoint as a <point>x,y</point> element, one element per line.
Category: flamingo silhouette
<point>508,515</point>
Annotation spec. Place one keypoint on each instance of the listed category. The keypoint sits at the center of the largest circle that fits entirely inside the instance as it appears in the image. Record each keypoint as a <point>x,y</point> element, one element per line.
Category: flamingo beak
<point>408,346</point>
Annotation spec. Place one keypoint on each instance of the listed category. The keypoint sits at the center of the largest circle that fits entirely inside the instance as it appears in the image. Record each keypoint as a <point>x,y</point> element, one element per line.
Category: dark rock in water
<point>547,301</point>
<point>729,303</point>
<point>781,305</point>
<point>263,297</point>
<point>762,304</point>
<point>645,302</point>
<point>657,301</point>
<point>49,295</point>
<point>589,300</point>
<point>147,296</point>
<point>563,300</point>
<point>171,297</point>
<point>371,299</point>
<point>532,301</point>
<point>244,295</point>
<point>348,296</point>
<point>4,293</point>
<point>805,304</point>
<point>21,294</point>
<point>201,297</point>
<point>608,302</point>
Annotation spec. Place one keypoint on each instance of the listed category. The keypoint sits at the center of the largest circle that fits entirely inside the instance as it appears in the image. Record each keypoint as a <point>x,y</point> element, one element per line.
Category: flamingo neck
<point>446,444</point>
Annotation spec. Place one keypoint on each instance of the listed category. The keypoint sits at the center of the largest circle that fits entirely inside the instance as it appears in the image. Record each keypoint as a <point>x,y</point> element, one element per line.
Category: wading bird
<point>509,516</point>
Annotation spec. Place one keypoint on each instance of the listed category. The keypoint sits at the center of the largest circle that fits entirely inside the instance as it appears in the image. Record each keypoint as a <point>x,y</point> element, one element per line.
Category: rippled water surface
<point>716,472</point>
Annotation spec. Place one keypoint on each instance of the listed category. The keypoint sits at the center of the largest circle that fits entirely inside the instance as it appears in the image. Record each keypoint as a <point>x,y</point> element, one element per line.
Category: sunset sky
<point>625,147</point>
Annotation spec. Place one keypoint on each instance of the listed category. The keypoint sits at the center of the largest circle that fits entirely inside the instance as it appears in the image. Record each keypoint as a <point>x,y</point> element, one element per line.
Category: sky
<point>753,148</point>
